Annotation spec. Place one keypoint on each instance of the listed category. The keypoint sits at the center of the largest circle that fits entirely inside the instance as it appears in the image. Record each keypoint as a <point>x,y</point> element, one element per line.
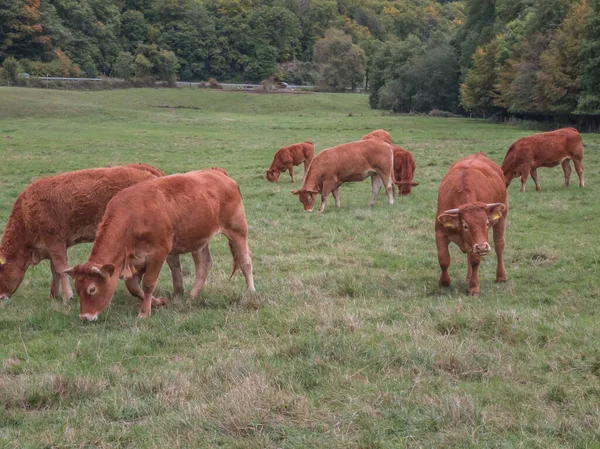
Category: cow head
<point>272,175</point>
<point>95,287</point>
<point>472,222</point>
<point>11,275</point>
<point>307,198</point>
<point>405,187</point>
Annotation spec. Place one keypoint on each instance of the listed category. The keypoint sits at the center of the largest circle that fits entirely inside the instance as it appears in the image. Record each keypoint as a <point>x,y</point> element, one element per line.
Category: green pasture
<point>348,341</point>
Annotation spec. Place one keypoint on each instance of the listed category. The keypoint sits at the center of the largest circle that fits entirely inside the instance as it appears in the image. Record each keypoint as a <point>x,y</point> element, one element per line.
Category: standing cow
<point>472,198</point>
<point>380,134</point>
<point>287,157</point>
<point>544,150</point>
<point>146,223</point>
<point>349,162</point>
<point>57,212</point>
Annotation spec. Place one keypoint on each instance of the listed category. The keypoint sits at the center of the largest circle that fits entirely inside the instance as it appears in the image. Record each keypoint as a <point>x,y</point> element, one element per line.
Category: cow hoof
<point>143,315</point>
<point>158,301</point>
<point>444,282</point>
<point>501,279</point>
<point>474,292</point>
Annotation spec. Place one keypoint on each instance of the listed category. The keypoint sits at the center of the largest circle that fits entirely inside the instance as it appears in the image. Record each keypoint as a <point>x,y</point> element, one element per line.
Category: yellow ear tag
<point>496,216</point>
<point>449,225</point>
<point>2,261</point>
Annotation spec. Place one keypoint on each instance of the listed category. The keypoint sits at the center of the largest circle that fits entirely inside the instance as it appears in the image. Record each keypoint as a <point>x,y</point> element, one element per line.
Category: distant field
<point>348,342</point>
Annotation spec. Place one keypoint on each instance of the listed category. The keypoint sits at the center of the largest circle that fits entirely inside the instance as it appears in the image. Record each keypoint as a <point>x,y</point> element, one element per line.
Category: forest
<point>478,56</point>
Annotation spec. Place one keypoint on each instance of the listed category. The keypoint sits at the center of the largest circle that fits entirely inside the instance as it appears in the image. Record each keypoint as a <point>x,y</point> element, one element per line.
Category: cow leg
<point>376,183</point>
<point>153,266</point>
<point>442,243</point>
<point>336,195</point>
<point>389,188</point>
<point>58,258</point>
<point>499,248</point>
<point>325,191</point>
<point>238,245</point>
<point>524,181</point>
<point>292,173</point>
<point>566,165</point>
<point>133,287</point>
<point>474,261</point>
<point>55,287</point>
<point>175,266</point>
<point>579,170</point>
<point>203,263</point>
<point>533,174</point>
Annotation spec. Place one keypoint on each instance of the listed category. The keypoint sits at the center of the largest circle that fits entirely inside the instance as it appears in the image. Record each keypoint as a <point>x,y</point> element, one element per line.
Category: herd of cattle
<point>138,218</point>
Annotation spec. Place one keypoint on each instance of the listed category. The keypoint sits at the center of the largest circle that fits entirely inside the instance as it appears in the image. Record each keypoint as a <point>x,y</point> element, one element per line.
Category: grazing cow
<point>549,149</point>
<point>404,170</point>
<point>380,134</point>
<point>57,212</point>
<point>287,157</point>
<point>349,162</point>
<point>472,198</point>
<point>404,162</point>
<point>146,223</point>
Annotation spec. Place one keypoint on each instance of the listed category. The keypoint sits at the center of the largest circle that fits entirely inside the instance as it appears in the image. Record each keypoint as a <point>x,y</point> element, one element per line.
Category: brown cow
<point>287,157</point>
<point>404,170</point>
<point>544,150</point>
<point>380,134</point>
<point>404,162</point>
<point>472,198</point>
<point>57,212</point>
<point>146,223</point>
<point>349,162</point>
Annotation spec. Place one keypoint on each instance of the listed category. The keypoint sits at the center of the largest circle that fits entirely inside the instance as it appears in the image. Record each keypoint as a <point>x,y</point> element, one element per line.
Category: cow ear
<point>494,212</point>
<point>414,184</point>
<point>449,221</point>
<point>107,270</point>
<point>311,191</point>
<point>70,271</point>
<point>295,192</point>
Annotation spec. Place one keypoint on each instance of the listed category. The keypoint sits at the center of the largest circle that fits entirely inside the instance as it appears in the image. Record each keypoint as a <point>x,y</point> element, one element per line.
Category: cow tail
<point>236,265</point>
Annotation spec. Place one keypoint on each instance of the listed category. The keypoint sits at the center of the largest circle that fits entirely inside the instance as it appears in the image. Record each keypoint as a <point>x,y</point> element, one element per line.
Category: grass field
<point>348,342</point>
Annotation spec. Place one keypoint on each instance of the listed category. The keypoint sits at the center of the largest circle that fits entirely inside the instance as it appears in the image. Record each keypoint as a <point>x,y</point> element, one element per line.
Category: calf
<point>349,162</point>
<point>287,157</point>
<point>472,198</point>
<point>146,223</point>
<point>57,212</point>
<point>404,170</point>
<point>549,149</point>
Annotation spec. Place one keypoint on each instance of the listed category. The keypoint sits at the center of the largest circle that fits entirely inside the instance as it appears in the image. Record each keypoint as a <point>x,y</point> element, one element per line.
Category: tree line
<point>484,56</point>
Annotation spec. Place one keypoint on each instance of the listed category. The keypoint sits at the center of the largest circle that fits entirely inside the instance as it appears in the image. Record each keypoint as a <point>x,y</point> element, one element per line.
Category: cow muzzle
<point>4,296</point>
<point>481,249</point>
<point>89,316</point>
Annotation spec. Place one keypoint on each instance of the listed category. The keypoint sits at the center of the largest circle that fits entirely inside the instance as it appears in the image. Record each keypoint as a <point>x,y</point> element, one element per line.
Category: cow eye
<point>91,290</point>
<point>310,199</point>
<point>487,224</point>
<point>465,227</point>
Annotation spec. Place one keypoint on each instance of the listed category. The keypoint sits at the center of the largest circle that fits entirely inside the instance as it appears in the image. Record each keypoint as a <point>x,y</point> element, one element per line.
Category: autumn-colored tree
<point>479,89</point>
<point>562,62</point>
<point>21,31</point>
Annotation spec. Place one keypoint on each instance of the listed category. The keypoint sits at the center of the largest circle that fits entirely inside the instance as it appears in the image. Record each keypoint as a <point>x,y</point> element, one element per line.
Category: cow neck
<point>13,246</point>
<point>109,244</point>
<point>313,178</point>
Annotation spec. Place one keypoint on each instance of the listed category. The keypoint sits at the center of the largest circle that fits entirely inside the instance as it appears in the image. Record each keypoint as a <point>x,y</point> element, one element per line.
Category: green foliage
<point>10,69</point>
<point>142,67</point>
<point>123,66</point>
<point>340,62</point>
<point>589,96</point>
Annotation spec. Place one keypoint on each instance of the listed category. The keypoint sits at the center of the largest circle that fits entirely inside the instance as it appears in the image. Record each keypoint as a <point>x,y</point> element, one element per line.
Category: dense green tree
<point>340,62</point>
<point>123,66</point>
<point>589,80</point>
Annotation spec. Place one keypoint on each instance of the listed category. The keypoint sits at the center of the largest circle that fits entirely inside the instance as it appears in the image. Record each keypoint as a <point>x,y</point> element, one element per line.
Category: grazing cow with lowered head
<point>404,170</point>
<point>549,149</point>
<point>472,198</point>
<point>349,162</point>
<point>287,157</point>
<point>404,162</point>
<point>57,212</point>
<point>146,223</point>
<point>380,134</point>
